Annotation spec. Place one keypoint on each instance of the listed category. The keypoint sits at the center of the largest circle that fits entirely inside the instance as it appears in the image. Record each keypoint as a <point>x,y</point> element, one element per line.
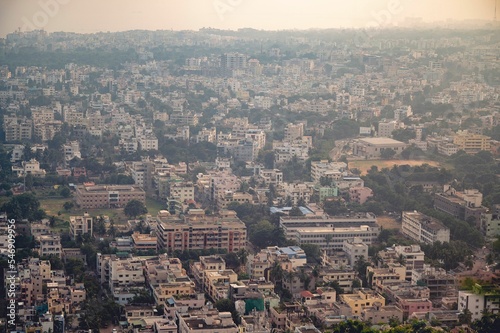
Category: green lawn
<point>154,206</point>
<point>52,204</point>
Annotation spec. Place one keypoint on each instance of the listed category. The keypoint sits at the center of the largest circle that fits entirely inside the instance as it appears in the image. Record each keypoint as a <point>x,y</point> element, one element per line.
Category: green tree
<point>65,192</point>
<point>134,208</point>
<point>28,181</point>
<point>24,206</point>
<point>68,205</point>
<point>387,153</point>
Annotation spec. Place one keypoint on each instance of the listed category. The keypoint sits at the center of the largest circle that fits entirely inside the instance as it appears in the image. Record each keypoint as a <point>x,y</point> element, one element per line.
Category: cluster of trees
<point>478,171</point>
<point>448,255</point>
<point>262,227</point>
<point>392,194</point>
<point>356,326</point>
<point>24,206</point>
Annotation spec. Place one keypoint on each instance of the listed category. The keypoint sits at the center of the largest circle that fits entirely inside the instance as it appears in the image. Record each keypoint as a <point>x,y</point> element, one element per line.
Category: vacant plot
<point>388,222</point>
<point>366,165</point>
<point>155,206</point>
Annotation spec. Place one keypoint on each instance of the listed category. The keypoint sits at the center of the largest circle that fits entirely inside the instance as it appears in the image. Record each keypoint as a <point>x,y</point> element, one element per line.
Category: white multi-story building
<point>355,249</point>
<point>423,228</point>
<point>271,176</point>
<point>148,143</point>
<point>50,245</point>
<point>72,150</point>
<point>314,229</point>
<point>293,132</point>
<point>331,170</point>
<point>297,192</point>
<point>79,225</point>
<point>477,301</point>
<point>29,167</point>
<point>385,129</point>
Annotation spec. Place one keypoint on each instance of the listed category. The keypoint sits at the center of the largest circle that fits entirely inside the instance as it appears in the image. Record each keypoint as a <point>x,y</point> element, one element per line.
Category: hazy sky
<point>118,15</point>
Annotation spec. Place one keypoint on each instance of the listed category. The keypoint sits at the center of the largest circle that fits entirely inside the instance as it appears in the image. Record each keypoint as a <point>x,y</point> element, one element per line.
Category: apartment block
<point>50,245</point>
<point>478,300</point>
<point>80,225</point>
<point>379,314</point>
<point>196,231</point>
<point>331,170</point>
<point>462,205</point>
<point>490,223</point>
<point>423,228</point>
<point>360,194</point>
<point>361,300</point>
<point>210,321</point>
<point>355,249</point>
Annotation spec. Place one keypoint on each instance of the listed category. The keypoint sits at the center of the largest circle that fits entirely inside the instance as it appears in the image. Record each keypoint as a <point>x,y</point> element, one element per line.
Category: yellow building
<point>164,291</point>
<point>362,299</point>
<point>471,143</point>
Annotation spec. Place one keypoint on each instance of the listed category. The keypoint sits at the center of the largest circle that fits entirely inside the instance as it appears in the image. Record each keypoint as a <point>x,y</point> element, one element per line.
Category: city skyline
<point>93,16</point>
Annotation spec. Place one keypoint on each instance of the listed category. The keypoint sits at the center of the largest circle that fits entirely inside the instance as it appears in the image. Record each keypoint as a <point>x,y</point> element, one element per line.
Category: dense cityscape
<point>250,181</point>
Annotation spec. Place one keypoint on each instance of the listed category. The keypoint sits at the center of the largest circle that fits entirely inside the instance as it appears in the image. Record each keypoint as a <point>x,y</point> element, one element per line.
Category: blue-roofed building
<point>286,210</point>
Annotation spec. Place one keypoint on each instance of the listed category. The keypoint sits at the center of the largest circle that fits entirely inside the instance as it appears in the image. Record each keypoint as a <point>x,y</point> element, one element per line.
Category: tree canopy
<point>135,208</point>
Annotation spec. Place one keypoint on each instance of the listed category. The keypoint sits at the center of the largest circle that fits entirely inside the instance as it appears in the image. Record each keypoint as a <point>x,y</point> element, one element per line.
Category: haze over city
<point>229,166</point>
<point>118,15</point>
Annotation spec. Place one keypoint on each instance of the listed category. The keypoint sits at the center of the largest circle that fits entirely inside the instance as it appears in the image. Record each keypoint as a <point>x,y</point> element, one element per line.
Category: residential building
<point>361,300</point>
<point>210,321</point>
<point>294,131</point>
<point>343,276</point>
<point>71,150</point>
<point>238,197</point>
<point>379,314</point>
<point>385,129</point>
<point>464,205</point>
<point>297,192</point>
<point>17,129</point>
<point>478,300</point>
<point>213,263</point>
<point>377,276</point>
<point>107,196</point>
<point>29,167</point>
<point>331,170</point>
<point>80,225</point>
<point>144,242</point>
<point>196,231</point>
<point>412,257</point>
<point>490,223</point>
<point>149,142</point>
<point>142,174</point>
<point>271,176</point>
<point>50,245</point>
<point>440,283</point>
<point>423,228</point>
<point>355,249</point>
<point>360,194</point>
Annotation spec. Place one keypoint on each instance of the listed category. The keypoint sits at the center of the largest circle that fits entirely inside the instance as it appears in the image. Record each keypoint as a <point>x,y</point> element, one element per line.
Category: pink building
<point>411,305</point>
<point>360,194</point>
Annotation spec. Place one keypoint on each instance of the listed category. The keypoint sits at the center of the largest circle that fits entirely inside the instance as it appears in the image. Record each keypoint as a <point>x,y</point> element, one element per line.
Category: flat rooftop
<point>381,141</point>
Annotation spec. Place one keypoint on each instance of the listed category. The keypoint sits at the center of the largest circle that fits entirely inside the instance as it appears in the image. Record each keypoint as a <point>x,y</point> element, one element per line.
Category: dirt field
<point>388,222</point>
<point>365,165</point>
